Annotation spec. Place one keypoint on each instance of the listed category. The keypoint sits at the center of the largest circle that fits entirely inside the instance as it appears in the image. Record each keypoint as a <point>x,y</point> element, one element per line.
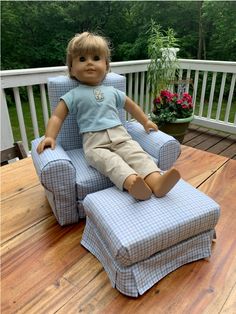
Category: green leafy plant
<point>171,106</point>
<point>164,63</point>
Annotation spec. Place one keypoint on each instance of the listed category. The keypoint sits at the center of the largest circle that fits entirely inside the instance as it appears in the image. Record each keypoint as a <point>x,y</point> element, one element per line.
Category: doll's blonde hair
<point>87,43</point>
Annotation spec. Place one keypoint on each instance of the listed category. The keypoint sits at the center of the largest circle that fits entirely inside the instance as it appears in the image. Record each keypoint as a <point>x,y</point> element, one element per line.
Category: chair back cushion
<point>69,136</point>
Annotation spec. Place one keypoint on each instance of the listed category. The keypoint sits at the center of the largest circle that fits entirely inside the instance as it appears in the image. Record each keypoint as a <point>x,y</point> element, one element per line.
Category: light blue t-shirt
<point>96,107</point>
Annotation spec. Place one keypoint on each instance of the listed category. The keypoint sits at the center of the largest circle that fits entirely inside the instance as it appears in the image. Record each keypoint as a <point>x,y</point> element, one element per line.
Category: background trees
<point>35,33</point>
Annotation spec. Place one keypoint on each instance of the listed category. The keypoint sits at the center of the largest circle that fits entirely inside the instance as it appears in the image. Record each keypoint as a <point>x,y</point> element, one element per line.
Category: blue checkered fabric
<point>58,176</point>
<point>136,279</point>
<point>127,236</point>
<point>161,145</point>
<point>152,225</point>
<point>88,179</point>
<point>78,178</point>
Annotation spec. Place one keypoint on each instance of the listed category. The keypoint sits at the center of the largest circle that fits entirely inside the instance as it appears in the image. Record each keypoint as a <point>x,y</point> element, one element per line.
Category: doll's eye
<point>81,59</point>
<point>96,58</point>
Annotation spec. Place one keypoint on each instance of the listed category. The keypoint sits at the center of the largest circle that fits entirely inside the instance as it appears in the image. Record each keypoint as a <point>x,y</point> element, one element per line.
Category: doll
<point>107,145</point>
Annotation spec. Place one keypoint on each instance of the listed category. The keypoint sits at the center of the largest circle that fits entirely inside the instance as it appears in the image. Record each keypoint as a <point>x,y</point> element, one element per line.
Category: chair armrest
<point>58,176</point>
<point>165,148</point>
<point>47,156</point>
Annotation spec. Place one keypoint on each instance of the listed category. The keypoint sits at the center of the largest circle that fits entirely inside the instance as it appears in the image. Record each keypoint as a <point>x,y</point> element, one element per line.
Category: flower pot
<point>178,128</point>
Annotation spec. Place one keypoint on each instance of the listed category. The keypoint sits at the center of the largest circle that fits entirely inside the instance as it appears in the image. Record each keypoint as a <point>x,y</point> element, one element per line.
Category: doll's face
<point>89,69</point>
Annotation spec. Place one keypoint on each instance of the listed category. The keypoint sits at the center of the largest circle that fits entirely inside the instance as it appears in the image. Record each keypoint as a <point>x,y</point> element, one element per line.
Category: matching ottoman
<point>140,242</point>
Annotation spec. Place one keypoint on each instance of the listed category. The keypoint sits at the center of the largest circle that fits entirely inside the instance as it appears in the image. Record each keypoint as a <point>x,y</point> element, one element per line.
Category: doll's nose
<point>90,61</point>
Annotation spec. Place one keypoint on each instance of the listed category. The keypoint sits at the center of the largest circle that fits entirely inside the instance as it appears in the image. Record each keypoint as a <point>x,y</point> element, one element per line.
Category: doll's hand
<point>149,126</point>
<point>45,143</point>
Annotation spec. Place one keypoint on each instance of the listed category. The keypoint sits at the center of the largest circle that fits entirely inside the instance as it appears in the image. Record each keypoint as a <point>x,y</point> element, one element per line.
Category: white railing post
<point>6,130</point>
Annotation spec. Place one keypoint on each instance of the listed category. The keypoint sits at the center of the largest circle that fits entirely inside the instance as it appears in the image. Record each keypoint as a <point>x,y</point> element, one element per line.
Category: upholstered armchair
<point>64,172</point>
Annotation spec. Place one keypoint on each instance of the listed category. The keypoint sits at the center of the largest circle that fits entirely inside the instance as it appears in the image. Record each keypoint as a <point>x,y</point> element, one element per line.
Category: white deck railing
<point>213,78</point>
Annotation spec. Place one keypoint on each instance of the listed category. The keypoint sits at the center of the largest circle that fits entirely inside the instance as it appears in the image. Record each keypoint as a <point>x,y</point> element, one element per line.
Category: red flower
<point>157,100</point>
<point>171,106</point>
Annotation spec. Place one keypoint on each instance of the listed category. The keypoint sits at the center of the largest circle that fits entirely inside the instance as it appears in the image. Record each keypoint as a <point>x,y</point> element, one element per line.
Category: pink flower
<point>157,100</point>
<point>187,97</point>
<point>184,106</point>
<point>166,93</point>
<point>179,101</point>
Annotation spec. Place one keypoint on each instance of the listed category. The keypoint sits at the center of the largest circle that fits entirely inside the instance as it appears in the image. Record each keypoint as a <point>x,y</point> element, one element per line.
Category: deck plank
<point>217,142</point>
<point>230,304</point>
<point>51,299</point>
<point>35,261</point>
<point>221,187</point>
<point>28,210</point>
<point>195,168</point>
<point>220,146</point>
<point>13,177</point>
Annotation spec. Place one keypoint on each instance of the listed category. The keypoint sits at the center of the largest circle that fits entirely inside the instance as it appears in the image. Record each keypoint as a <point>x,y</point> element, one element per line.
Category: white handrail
<point>204,73</point>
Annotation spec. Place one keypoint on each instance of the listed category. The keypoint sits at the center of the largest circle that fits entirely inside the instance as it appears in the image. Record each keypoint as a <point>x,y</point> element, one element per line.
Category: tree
<point>219,21</point>
<point>36,33</point>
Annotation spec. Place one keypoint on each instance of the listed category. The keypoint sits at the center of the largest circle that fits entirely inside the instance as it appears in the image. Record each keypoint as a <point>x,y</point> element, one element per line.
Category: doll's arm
<point>139,115</point>
<point>53,127</point>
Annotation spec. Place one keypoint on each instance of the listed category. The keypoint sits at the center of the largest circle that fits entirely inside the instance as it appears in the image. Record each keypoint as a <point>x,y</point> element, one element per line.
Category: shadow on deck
<point>212,141</point>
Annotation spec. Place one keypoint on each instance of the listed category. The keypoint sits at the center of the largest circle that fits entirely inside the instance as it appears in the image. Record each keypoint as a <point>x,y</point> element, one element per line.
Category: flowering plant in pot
<point>173,112</point>
<point>164,65</point>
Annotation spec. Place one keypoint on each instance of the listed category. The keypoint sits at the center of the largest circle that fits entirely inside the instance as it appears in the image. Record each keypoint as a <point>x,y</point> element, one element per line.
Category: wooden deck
<point>212,141</point>
<point>46,270</point>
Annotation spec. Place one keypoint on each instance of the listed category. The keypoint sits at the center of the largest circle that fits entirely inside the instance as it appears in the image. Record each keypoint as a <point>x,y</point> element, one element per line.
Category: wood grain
<point>230,304</point>
<point>17,177</point>
<point>196,166</point>
<point>46,270</point>
<point>26,208</point>
<point>36,260</point>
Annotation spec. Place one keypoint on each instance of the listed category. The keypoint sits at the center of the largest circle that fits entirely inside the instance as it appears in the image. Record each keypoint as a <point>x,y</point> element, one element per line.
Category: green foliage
<point>35,33</point>
<point>164,62</point>
<point>220,29</point>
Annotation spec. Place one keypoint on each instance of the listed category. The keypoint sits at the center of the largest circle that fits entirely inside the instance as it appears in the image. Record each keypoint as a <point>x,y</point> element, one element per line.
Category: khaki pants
<point>113,153</point>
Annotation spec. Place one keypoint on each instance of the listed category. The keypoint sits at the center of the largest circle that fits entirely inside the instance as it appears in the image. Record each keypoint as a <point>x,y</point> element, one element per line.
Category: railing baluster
<point>222,87</point>
<point>20,118</point>
<point>32,110</point>
<point>213,84</point>
<point>232,85</point>
<point>148,99</point>
<point>6,129</point>
<point>180,74</point>
<point>136,87</point>
<point>188,79</point>
<point>44,104</point>
<point>130,91</point>
<point>203,93</point>
<point>130,85</point>
<point>141,100</point>
<point>195,87</point>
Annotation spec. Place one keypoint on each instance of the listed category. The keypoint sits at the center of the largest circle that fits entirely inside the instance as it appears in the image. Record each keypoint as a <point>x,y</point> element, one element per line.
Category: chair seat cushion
<point>133,231</point>
<point>88,179</point>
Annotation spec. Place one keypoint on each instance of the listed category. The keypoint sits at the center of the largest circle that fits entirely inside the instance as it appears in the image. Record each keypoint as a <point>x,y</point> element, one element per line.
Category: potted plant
<point>172,112</point>
<point>162,50</point>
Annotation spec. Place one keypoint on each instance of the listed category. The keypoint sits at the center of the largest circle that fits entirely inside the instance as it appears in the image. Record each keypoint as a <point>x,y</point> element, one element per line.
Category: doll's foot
<point>139,189</point>
<point>166,182</point>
